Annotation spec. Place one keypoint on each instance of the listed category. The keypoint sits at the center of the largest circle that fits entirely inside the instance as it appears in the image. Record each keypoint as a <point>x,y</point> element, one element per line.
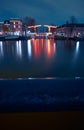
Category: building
<point>1,27</point>
<point>70,30</point>
<point>16,26</point>
<point>6,27</point>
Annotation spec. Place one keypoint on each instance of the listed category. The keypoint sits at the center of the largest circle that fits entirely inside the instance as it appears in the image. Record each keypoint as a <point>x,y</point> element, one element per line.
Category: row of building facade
<point>11,26</point>
<point>70,30</point>
<point>14,26</point>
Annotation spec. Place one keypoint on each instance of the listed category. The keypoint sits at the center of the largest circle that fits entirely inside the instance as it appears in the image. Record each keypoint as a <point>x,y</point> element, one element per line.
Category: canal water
<point>41,58</point>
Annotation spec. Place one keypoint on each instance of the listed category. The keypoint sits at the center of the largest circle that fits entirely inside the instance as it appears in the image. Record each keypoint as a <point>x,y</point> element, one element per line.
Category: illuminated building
<point>16,26</point>
<point>70,30</point>
<point>1,27</point>
<point>6,27</point>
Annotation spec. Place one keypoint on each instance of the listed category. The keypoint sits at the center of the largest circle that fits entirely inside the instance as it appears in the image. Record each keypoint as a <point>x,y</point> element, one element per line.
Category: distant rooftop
<point>70,25</point>
<point>15,19</point>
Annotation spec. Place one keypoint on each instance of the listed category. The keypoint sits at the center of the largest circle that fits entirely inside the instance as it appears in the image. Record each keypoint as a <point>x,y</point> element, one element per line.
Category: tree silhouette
<point>73,21</point>
<point>27,21</point>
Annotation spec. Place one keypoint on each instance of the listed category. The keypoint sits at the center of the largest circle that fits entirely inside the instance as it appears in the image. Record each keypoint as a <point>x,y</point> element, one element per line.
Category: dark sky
<point>44,11</point>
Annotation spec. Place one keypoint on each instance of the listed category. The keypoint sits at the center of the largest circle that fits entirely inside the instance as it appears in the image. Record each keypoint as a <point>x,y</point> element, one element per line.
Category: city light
<point>50,48</point>
<point>1,48</point>
<point>77,46</point>
<point>36,48</point>
<point>18,49</point>
<point>76,52</point>
<point>17,33</point>
<point>29,49</point>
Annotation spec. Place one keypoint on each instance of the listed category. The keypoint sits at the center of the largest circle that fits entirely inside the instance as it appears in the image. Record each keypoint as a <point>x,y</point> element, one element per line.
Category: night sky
<point>44,11</point>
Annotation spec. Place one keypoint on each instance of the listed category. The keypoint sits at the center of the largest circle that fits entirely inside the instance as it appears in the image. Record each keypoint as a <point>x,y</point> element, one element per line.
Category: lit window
<point>14,26</point>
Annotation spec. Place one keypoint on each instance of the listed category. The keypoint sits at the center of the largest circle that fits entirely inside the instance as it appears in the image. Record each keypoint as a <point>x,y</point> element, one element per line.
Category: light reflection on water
<point>29,48</point>
<point>19,49</point>
<point>1,49</point>
<point>41,58</point>
<point>40,46</point>
<point>77,46</point>
<point>34,47</point>
<point>76,51</point>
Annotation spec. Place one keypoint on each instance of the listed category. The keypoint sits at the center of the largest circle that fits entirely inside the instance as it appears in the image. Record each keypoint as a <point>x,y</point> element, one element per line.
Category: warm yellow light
<point>34,26</point>
<point>50,26</point>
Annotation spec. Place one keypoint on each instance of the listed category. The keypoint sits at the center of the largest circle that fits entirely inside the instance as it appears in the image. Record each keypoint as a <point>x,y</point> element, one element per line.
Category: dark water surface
<point>41,58</point>
<point>44,59</point>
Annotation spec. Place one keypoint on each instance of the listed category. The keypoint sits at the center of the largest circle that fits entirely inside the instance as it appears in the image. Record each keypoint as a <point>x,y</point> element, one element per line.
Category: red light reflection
<point>50,48</point>
<point>36,47</point>
<point>44,46</point>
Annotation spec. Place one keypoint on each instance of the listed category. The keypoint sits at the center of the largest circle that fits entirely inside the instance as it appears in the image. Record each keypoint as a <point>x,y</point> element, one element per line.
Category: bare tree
<point>27,21</point>
<point>67,22</point>
<point>73,20</point>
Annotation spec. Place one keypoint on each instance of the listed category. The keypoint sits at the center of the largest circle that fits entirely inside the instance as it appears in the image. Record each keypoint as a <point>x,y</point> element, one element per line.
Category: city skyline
<point>43,11</point>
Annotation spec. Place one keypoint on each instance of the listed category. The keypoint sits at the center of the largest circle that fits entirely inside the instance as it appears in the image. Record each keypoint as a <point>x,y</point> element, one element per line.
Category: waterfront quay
<point>39,36</point>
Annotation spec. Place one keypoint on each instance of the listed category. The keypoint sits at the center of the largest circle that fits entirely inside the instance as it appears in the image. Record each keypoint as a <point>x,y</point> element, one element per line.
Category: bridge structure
<point>48,34</point>
<point>49,27</point>
<point>34,27</point>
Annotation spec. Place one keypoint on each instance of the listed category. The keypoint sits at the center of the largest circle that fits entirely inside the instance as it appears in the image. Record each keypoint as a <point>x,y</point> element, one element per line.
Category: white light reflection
<point>77,46</point>
<point>29,48</point>
<point>19,48</point>
<point>1,49</point>
<point>54,47</point>
<point>77,77</point>
<point>75,57</point>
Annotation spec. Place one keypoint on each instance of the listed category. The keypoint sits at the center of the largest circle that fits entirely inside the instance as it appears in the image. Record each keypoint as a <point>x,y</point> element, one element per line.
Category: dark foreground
<point>63,120</point>
<point>41,95</point>
<point>42,104</point>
